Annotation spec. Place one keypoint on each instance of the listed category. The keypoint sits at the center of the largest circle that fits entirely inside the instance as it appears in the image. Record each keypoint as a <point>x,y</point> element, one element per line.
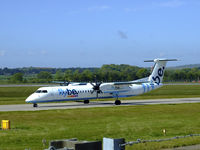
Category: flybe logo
<point>157,79</point>
<point>68,93</point>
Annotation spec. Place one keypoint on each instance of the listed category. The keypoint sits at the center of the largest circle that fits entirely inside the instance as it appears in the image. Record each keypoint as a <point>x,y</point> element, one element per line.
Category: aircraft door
<point>53,93</point>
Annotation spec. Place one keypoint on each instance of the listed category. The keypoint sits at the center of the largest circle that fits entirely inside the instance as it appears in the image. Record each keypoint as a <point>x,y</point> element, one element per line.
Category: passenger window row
<point>84,91</point>
<point>45,91</point>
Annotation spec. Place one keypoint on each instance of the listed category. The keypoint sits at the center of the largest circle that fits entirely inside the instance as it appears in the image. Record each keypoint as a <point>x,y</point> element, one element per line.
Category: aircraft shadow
<point>94,104</point>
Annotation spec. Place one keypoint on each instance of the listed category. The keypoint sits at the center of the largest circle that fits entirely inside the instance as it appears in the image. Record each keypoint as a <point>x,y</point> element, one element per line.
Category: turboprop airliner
<point>88,91</point>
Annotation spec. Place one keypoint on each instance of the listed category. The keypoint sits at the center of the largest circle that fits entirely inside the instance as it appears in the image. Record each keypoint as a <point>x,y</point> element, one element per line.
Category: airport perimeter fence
<point>108,143</point>
<point>157,140</point>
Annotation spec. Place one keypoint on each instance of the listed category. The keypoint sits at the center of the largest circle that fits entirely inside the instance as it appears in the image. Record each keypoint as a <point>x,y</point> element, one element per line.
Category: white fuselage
<point>74,92</point>
<point>86,91</point>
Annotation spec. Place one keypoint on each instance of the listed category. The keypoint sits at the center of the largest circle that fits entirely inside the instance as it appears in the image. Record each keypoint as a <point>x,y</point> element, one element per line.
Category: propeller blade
<point>92,92</point>
<point>92,84</point>
<point>96,88</point>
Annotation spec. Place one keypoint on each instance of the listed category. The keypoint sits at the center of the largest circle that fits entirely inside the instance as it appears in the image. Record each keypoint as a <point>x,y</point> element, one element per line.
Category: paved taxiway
<point>73,105</point>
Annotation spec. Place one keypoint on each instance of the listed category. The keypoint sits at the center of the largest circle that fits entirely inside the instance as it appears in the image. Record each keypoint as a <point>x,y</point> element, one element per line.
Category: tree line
<point>107,73</point>
<point>36,70</point>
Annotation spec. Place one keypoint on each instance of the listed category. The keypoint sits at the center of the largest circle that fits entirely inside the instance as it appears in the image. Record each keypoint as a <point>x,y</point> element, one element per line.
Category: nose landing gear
<point>35,105</point>
<point>86,101</point>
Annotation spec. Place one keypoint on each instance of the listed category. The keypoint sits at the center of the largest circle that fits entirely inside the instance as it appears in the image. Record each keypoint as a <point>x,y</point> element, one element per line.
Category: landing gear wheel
<point>35,105</point>
<point>86,101</point>
<point>117,102</point>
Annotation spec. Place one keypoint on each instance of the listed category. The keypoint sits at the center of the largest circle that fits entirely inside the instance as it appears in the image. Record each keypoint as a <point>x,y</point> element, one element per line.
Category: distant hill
<point>186,66</point>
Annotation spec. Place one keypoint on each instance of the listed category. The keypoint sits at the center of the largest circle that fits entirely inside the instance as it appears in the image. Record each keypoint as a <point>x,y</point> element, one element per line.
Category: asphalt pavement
<point>73,105</point>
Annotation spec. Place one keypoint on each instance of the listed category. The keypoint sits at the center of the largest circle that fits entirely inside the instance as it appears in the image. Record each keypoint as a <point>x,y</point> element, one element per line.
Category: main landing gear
<point>35,105</point>
<point>117,102</point>
<point>86,101</point>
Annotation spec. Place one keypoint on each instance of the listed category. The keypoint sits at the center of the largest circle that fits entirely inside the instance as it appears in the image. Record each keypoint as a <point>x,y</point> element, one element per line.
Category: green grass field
<point>172,91</point>
<point>17,95</point>
<point>131,122</point>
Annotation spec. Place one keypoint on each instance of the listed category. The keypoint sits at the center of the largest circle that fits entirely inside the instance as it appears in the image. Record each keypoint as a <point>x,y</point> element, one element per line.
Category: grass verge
<point>130,122</point>
<point>15,95</point>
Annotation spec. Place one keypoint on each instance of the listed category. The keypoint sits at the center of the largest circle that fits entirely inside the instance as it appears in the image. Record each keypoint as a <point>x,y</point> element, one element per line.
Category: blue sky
<point>90,33</point>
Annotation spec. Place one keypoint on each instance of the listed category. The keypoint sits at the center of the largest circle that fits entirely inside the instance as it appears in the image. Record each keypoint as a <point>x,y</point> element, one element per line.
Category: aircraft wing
<point>142,80</point>
<point>64,83</point>
<point>115,91</point>
<point>139,81</point>
<point>120,87</point>
<point>111,88</point>
<point>58,82</point>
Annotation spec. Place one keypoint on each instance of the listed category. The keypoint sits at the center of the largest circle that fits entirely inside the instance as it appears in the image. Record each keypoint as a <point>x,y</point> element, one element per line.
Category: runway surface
<point>73,105</point>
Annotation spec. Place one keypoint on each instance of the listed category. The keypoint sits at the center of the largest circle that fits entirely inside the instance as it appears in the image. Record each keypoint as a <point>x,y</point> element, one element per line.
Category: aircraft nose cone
<point>31,98</point>
<point>28,99</point>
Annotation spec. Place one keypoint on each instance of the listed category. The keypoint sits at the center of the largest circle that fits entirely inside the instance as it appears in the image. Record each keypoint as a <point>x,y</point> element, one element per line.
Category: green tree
<point>17,77</point>
<point>44,76</point>
<point>86,76</point>
<point>59,75</point>
<point>76,75</point>
<point>142,73</point>
<point>68,75</point>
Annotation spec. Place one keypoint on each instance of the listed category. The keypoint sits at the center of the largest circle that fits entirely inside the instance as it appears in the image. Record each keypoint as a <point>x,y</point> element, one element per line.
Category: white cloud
<point>2,53</point>
<point>30,53</point>
<point>156,4</point>
<point>104,7</point>
<point>130,9</point>
<point>43,52</point>
<point>73,12</point>
<point>162,54</point>
<point>90,9</point>
<point>99,8</point>
<point>34,53</point>
<point>172,3</point>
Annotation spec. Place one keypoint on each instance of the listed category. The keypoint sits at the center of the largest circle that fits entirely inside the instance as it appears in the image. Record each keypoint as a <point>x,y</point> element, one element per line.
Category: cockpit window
<point>41,91</point>
<point>44,91</point>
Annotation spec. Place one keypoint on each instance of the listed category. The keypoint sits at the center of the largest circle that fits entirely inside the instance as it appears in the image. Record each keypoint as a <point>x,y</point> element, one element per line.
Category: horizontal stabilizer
<point>155,60</point>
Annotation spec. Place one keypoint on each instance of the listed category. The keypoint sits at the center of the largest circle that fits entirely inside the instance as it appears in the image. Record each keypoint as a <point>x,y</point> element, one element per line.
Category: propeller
<point>96,88</point>
<point>65,83</point>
